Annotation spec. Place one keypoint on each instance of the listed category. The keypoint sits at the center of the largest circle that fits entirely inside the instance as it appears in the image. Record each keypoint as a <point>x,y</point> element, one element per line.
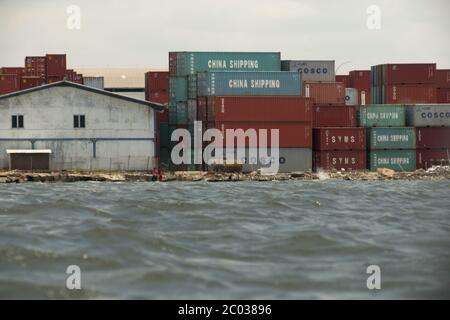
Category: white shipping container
<point>351,96</point>
<point>289,159</point>
<point>311,70</point>
<point>94,82</point>
<point>428,115</point>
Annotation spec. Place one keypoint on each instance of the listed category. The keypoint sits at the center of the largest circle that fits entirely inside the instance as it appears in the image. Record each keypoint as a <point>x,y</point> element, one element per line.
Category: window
<point>79,121</point>
<point>17,121</point>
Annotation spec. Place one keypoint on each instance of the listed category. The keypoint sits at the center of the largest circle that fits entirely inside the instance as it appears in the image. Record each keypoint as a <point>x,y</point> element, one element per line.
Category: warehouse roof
<point>118,77</point>
<point>64,83</point>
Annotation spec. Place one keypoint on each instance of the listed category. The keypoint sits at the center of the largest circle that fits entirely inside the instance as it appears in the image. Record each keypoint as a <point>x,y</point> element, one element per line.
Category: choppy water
<point>290,240</point>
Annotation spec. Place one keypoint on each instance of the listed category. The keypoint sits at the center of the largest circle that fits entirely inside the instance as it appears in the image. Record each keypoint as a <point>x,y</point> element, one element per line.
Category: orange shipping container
<point>9,83</point>
<point>325,92</point>
<point>410,93</point>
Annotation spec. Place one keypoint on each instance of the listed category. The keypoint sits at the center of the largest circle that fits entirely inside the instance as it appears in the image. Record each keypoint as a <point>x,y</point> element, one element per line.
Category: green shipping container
<point>192,86</point>
<point>173,114</point>
<point>391,138</point>
<point>398,160</point>
<point>182,113</point>
<point>380,115</point>
<point>187,63</point>
<point>164,135</point>
<point>164,158</point>
<point>178,89</point>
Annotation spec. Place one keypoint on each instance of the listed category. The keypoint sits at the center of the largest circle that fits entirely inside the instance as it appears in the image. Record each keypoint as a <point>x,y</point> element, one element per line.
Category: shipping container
<point>351,96</point>
<point>9,83</point>
<point>182,113</point>
<point>426,158</point>
<point>258,109</point>
<point>78,78</point>
<point>338,160</point>
<point>164,135</point>
<point>391,138</point>
<point>186,63</point>
<point>192,86</point>
<point>156,81</point>
<point>20,71</point>
<point>52,79</point>
<point>423,115</point>
<point>172,110</point>
<point>443,79</point>
<point>291,134</point>
<point>409,73</point>
<point>163,116</point>
<point>288,159</point>
<point>311,70</point>
<point>443,95</point>
<point>339,139</point>
<point>30,82</point>
<point>249,83</point>
<point>69,75</point>
<point>381,116</point>
<point>178,89</point>
<point>56,65</point>
<point>36,66</point>
<point>398,160</point>
<point>364,97</point>
<point>325,92</point>
<point>360,79</point>
<point>161,97</point>
<point>433,138</point>
<point>409,93</point>
<point>345,79</point>
<point>192,110</point>
<point>334,116</point>
<point>95,82</point>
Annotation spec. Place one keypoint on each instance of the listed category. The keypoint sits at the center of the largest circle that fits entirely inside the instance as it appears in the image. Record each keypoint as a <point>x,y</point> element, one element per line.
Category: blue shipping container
<point>275,83</point>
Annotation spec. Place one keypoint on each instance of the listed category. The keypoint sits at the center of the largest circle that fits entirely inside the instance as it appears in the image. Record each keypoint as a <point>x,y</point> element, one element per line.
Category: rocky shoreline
<point>435,173</point>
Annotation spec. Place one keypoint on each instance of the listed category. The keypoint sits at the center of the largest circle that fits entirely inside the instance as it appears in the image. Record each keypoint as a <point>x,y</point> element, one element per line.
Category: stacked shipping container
<point>38,70</point>
<point>432,131</point>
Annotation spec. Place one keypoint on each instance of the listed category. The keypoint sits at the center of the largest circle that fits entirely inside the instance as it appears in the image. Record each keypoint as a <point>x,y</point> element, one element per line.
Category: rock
<point>389,173</point>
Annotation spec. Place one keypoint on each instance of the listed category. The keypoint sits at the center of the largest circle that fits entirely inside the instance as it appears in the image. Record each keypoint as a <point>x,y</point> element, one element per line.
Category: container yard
<point>368,119</point>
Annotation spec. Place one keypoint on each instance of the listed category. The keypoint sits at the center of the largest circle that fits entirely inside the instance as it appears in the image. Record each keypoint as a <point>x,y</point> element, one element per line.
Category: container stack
<point>432,131</point>
<point>197,77</point>
<point>38,70</point>
<point>443,86</point>
<point>390,143</point>
<point>157,90</point>
<point>404,83</point>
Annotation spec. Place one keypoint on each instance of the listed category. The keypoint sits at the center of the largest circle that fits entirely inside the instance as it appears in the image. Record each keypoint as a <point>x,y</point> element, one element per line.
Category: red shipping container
<point>409,73</point>
<point>360,79</point>
<point>36,66</point>
<point>291,134</point>
<point>348,160</point>
<point>344,79</point>
<point>161,97</point>
<point>443,79</point>
<point>52,79</point>
<point>78,78</point>
<point>433,138</point>
<point>261,109</point>
<point>334,116</point>
<point>69,75</point>
<point>13,70</point>
<point>30,82</point>
<point>339,139</point>
<point>156,81</point>
<point>9,83</point>
<point>325,92</point>
<point>163,117</point>
<point>426,158</point>
<point>410,93</point>
<point>443,95</point>
<point>367,96</point>
<point>56,65</point>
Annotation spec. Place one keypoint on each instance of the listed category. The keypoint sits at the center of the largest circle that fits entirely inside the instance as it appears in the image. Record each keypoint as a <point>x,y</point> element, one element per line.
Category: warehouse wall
<point>48,114</point>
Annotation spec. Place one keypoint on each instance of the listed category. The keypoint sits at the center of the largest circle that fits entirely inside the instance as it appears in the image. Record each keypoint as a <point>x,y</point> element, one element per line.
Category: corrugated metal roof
<point>118,77</point>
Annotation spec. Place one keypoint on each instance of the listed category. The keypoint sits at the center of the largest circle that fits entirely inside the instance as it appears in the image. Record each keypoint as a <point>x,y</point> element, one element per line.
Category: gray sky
<point>139,33</point>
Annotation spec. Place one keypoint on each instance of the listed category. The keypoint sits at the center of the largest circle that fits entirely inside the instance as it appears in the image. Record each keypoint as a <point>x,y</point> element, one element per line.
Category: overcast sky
<point>139,33</point>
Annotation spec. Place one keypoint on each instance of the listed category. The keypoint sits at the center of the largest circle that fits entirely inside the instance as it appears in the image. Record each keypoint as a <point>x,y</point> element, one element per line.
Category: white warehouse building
<point>82,128</point>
